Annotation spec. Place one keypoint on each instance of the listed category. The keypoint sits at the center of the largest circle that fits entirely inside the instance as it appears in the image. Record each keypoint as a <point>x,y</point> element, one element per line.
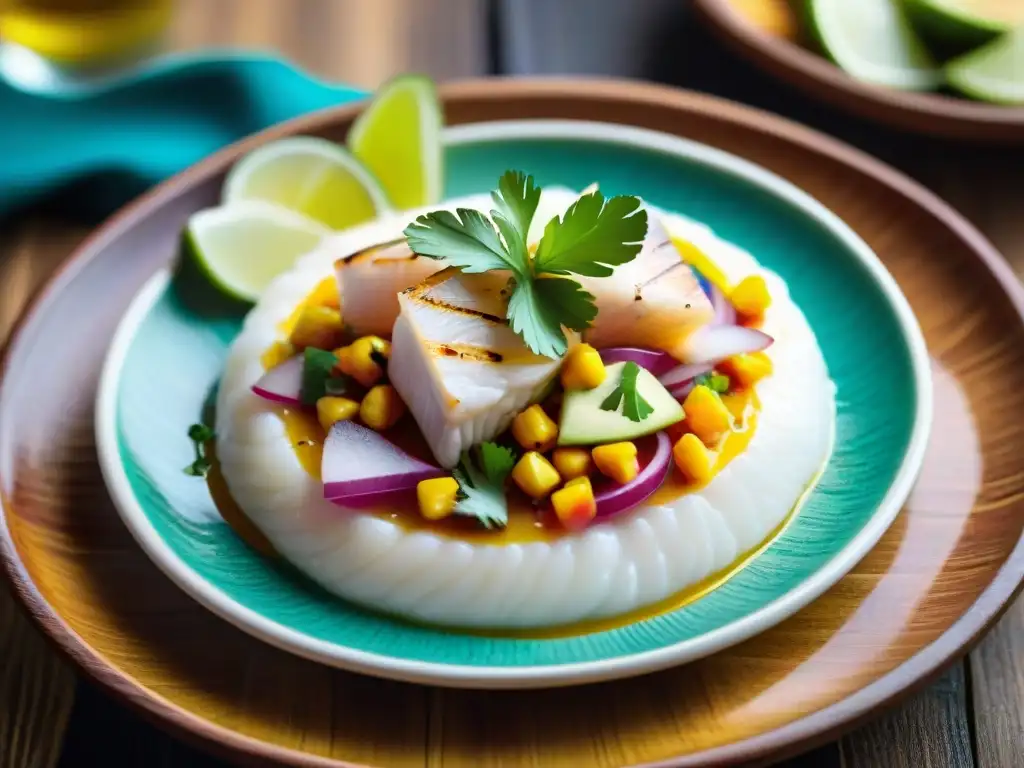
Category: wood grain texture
<point>926,113</point>
<point>956,551</point>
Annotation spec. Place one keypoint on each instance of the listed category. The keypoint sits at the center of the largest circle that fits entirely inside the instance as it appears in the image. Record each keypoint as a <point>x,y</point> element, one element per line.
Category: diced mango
<point>747,370</point>
<point>437,497</point>
<point>276,354</point>
<point>618,461</point>
<point>535,475</point>
<point>583,368</point>
<point>572,462</point>
<point>381,407</point>
<point>330,410</point>
<point>706,414</point>
<point>750,297</point>
<point>364,359</point>
<point>693,458</point>
<point>574,504</point>
<point>325,294</point>
<point>318,327</point>
<point>534,430</point>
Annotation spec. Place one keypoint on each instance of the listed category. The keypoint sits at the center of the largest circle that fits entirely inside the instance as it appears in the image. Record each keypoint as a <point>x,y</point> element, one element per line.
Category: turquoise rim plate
<point>165,359</point>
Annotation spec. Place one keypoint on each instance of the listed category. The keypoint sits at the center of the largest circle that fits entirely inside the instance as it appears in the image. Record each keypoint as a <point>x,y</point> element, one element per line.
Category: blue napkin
<point>111,142</point>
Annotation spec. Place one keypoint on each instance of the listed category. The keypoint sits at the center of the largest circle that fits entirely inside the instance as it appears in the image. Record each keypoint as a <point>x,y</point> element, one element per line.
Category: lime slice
<point>398,137</point>
<point>994,72</point>
<point>955,26</point>
<point>872,41</point>
<point>314,177</point>
<point>241,247</point>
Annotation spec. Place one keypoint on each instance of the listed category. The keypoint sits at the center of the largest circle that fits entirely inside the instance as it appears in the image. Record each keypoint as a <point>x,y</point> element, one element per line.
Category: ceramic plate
<point>166,358</point>
<point>929,113</point>
<point>938,576</point>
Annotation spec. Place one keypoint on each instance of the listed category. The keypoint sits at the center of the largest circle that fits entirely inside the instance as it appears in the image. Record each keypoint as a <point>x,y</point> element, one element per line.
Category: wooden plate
<point>930,113</point>
<point>940,575</point>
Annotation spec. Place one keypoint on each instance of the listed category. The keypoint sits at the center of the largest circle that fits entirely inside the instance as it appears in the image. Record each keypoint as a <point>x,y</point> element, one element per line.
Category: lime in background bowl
<point>166,358</point>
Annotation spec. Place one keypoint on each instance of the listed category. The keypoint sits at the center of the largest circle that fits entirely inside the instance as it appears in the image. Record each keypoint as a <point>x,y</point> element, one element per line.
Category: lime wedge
<point>955,26</point>
<point>872,41</point>
<point>994,72</point>
<point>314,177</point>
<point>241,247</point>
<point>398,137</point>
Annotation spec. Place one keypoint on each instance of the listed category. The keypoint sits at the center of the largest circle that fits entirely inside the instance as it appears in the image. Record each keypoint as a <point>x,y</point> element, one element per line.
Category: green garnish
<point>482,484</point>
<point>319,378</point>
<point>200,435</point>
<point>593,236</point>
<point>716,382</point>
<point>634,407</point>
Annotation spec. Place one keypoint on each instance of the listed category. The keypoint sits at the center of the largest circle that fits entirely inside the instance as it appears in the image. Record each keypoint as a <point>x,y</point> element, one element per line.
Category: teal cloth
<point>104,145</point>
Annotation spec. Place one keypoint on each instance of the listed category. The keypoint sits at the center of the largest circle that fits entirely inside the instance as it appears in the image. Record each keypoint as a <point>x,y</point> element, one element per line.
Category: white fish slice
<point>463,373</point>
<point>370,280</point>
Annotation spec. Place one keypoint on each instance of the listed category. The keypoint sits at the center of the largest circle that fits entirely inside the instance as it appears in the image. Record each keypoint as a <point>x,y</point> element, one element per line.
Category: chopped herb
<point>716,382</point>
<point>319,377</point>
<point>482,484</point>
<point>200,435</point>
<point>634,407</point>
<point>593,236</point>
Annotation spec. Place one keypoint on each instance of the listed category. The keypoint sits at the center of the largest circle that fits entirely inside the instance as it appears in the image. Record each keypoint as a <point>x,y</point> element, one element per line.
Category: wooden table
<point>974,715</point>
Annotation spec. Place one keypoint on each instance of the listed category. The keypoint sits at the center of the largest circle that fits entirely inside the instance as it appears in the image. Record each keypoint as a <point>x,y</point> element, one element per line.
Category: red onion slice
<point>653,360</point>
<point>725,312</point>
<point>360,465</point>
<point>714,343</point>
<point>681,390</point>
<point>282,383</point>
<point>684,373</point>
<point>622,498</point>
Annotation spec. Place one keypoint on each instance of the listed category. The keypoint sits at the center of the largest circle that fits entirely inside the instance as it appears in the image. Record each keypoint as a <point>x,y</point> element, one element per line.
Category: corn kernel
<point>572,462</point>
<point>747,370</point>
<point>330,410</point>
<point>583,368</point>
<point>318,327</point>
<point>364,359</point>
<point>276,354</point>
<point>534,430</point>
<point>694,460</point>
<point>618,461</point>
<point>381,407</point>
<point>750,296</point>
<point>535,475</point>
<point>706,414</point>
<point>574,504</point>
<point>437,497</point>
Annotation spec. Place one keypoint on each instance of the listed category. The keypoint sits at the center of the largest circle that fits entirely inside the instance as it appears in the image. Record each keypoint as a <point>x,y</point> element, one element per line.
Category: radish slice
<point>654,361</point>
<point>621,498</point>
<point>714,343</point>
<point>360,465</point>
<point>282,383</point>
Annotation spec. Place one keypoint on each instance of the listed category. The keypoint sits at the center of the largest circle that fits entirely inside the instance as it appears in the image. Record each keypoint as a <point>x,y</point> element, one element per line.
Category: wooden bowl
<point>928,113</point>
<point>939,577</point>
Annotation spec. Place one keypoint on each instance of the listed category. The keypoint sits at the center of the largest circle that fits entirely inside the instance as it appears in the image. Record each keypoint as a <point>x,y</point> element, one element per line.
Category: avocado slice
<point>583,422</point>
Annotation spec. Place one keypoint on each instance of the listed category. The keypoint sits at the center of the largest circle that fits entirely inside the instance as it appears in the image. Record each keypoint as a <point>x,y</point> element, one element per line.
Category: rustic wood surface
<point>972,716</point>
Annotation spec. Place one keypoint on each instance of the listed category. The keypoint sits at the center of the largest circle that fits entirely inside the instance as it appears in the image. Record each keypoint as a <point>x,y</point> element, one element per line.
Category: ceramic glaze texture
<point>173,354</point>
<point>939,576</point>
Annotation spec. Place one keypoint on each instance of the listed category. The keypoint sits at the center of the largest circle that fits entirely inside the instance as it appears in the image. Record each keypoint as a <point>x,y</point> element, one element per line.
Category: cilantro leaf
<point>482,484</point>
<point>517,198</point>
<point>467,241</point>
<point>576,308</point>
<point>319,377</point>
<point>593,236</point>
<point>634,406</point>
<point>536,321</point>
<point>199,434</point>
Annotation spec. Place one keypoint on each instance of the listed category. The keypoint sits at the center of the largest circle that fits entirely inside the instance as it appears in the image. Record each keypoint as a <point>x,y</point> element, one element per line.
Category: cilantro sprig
<point>200,435</point>
<point>320,378</point>
<point>593,236</point>
<point>634,406</point>
<point>481,482</point>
